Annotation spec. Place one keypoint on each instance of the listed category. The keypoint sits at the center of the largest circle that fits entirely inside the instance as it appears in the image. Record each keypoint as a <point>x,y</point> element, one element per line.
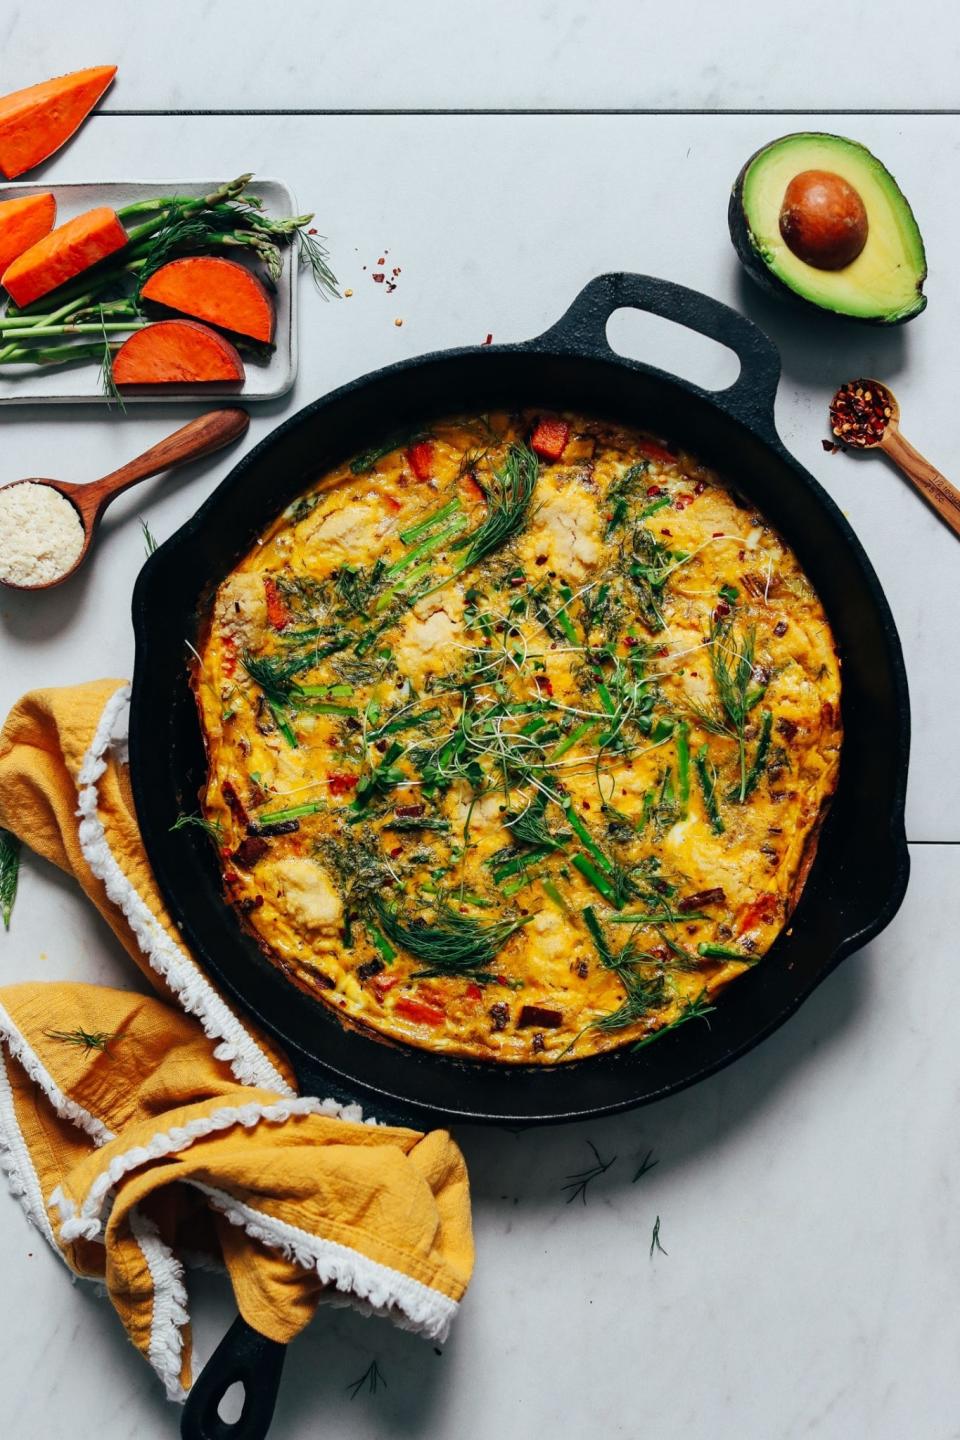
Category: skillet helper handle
<point>246,1356</point>
<point>583,330</point>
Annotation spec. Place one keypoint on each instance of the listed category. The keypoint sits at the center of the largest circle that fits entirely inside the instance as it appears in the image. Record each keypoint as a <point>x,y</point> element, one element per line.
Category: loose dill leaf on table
<point>452,945</point>
<point>372,1379</point>
<point>149,539</point>
<point>655,1239</point>
<point>212,828</point>
<point>646,1165</point>
<point>83,1039</point>
<point>9,874</point>
<point>578,1183</point>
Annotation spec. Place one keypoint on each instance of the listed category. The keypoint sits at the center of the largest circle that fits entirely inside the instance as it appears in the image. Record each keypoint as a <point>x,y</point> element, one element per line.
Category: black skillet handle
<point>245,1355</point>
<point>583,330</point>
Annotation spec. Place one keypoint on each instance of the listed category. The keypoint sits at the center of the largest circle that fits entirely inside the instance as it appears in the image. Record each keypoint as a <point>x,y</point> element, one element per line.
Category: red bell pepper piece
<point>418,1011</point>
<point>656,452</point>
<point>549,438</point>
<point>392,504</point>
<point>340,784</point>
<point>421,459</point>
<point>763,911</point>
<point>278,616</point>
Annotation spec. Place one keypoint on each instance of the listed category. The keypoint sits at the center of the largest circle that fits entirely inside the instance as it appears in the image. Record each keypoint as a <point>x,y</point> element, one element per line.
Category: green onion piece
<point>708,785</point>
<point>606,699</point>
<point>654,506</point>
<point>295,812</point>
<point>665,917</point>
<point>580,733</point>
<point>387,952</point>
<point>682,733</point>
<point>283,725</point>
<point>553,893</point>
<point>426,547</point>
<point>451,508</point>
<point>724,952</point>
<point>574,821</point>
<point>599,882</point>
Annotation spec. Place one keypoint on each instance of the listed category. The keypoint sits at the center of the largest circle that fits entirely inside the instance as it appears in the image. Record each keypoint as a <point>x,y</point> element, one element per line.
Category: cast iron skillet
<point>860,874</point>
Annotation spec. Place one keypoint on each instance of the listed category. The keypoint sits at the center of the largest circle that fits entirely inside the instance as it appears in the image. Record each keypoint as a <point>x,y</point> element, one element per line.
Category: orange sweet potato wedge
<point>23,222</point>
<point>176,352</point>
<point>215,290</point>
<point>65,252</point>
<point>37,121</point>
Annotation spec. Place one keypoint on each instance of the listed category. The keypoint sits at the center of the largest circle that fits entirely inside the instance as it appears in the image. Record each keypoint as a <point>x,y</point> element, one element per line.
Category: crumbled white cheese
<point>40,534</point>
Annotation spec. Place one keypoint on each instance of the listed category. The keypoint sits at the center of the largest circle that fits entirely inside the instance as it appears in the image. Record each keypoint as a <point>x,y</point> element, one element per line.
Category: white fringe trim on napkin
<point>16,1163</point>
<point>197,996</point>
<point>90,1219</point>
<point>362,1283</point>
<point>170,1312</point>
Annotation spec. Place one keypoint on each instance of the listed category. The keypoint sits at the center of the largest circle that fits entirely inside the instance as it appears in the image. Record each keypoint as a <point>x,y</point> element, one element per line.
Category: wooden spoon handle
<point>934,487</point>
<point>201,437</point>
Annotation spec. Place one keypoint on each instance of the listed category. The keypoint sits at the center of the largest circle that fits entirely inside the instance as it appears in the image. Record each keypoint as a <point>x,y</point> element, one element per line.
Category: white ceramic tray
<point>80,383</point>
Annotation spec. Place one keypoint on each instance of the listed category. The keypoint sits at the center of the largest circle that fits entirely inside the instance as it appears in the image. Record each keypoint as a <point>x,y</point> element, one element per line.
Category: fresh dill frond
<point>760,759</point>
<point>509,493</point>
<point>149,539</point>
<point>644,992</point>
<point>620,494</point>
<point>84,1039</point>
<point>275,673</point>
<point>372,1379</point>
<point>356,587</point>
<point>733,664</point>
<point>107,383</point>
<point>697,1009</point>
<point>578,1183</point>
<point>530,827</point>
<point>314,255</point>
<point>655,1239</point>
<point>452,944</point>
<point>213,828</point>
<point>9,874</point>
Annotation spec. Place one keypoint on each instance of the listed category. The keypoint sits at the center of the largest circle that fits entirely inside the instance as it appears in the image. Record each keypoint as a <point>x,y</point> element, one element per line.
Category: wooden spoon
<point>865,415</point>
<point>201,437</point>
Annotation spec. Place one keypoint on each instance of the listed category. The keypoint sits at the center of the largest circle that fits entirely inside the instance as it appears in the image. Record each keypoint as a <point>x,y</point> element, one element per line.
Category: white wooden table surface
<point>808,1195</point>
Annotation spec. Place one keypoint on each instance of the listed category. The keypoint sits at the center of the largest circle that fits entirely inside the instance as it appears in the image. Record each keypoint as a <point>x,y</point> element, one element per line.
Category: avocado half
<point>884,284</point>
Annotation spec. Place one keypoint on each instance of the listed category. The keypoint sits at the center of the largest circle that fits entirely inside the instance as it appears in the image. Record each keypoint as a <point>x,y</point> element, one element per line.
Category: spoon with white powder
<point>47,526</point>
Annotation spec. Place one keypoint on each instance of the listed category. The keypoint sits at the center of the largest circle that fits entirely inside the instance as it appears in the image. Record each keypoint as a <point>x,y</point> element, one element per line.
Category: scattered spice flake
<point>488,341</point>
<point>398,322</point>
<point>860,412</point>
<point>378,277</point>
<point>830,446</point>
<point>347,294</point>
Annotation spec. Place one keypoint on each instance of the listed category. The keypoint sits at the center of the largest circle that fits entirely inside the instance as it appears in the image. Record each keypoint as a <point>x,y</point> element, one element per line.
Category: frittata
<point>520,731</point>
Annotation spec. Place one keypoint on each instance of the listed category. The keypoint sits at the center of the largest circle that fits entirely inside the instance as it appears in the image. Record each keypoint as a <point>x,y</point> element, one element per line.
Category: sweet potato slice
<point>63,253</point>
<point>176,352</point>
<point>37,121</point>
<point>219,291</point>
<point>23,222</point>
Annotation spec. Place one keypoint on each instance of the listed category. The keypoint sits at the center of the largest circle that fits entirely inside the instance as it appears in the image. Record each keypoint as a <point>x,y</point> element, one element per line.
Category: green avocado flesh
<point>884,283</point>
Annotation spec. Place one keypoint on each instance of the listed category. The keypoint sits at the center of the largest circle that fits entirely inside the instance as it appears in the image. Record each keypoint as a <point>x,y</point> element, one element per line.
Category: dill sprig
<point>644,993</point>
<point>508,494</point>
<point>733,666</point>
<point>452,945</point>
<point>84,1039</point>
<point>620,494</point>
<point>372,1379</point>
<point>578,1183</point>
<point>646,1165</point>
<point>655,1239</point>
<point>530,827</point>
<point>759,765</point>
<point>9,874</point>
<point>696,1009</point>
<point>149,539</point>
<point>213,828</point>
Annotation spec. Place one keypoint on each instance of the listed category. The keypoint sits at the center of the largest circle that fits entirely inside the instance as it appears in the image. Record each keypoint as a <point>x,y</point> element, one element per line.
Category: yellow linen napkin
<point>136,1130</point>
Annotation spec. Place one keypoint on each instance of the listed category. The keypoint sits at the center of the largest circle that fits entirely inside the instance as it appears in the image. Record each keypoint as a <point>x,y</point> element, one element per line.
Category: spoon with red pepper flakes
<point>865,416</point>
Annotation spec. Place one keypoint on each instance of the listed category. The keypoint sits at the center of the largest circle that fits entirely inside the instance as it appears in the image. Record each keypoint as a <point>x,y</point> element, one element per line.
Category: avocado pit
<point>823,219</point>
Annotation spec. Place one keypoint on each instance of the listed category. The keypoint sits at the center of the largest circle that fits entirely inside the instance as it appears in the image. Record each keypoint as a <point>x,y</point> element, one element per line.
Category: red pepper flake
<point>682,501</point>
<point>830,446</point>
<point>718,534</point>
<point>312,232</point>
<point>378,276</point>
<point>420,457</point>
<point>549,438</point>
<point>395,270</point>
<point>700,486</point>
<point>630,641</point>
<point>721,610</point>
<point>780,629</point>
<point>340,784</point>
<point>543,683</point>
<point>654,490</point>
<point>668,533</point>
<point>396,852</point>
<point>541,560</point>
<point>409,812</point>
<point>488,341</point>
<point>860,412</point>
<point>516,581</point>
<point>382,260</point>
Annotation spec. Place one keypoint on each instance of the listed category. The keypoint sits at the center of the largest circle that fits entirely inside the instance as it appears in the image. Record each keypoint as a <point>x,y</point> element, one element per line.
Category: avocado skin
<point>757,268</point>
